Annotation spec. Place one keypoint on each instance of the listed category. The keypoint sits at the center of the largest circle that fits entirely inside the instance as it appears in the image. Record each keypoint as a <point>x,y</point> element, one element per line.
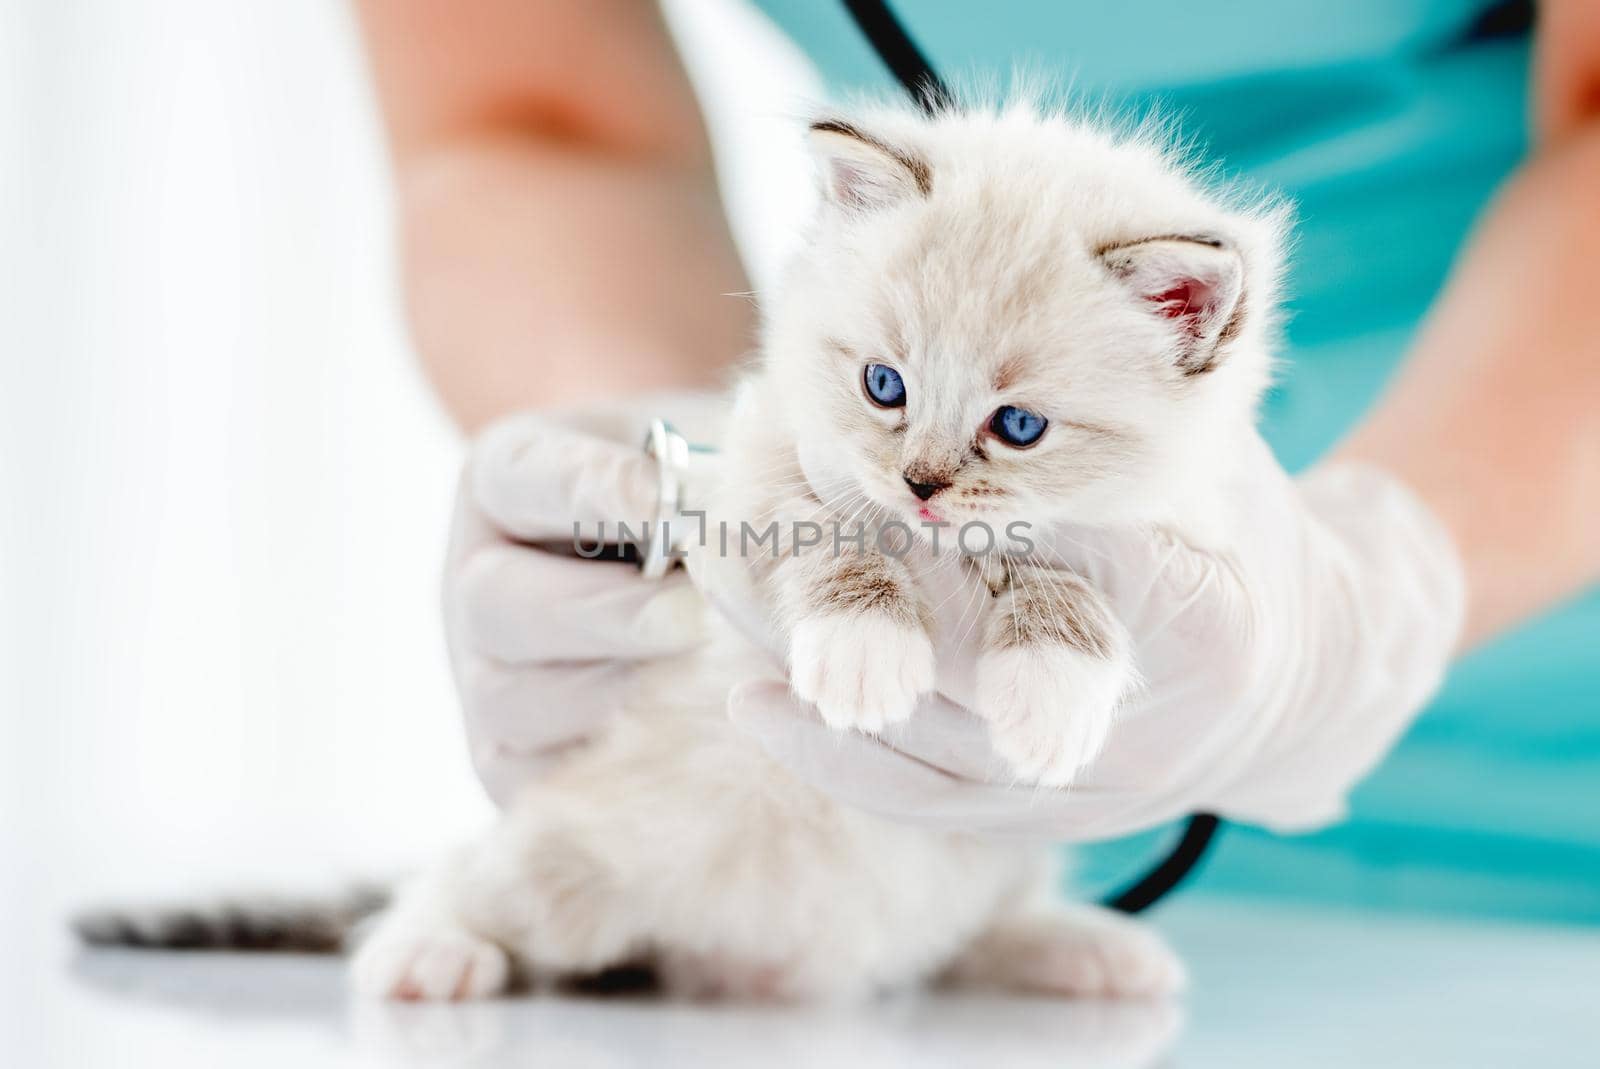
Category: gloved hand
<point>1276,673</point>
<point>542,642</point>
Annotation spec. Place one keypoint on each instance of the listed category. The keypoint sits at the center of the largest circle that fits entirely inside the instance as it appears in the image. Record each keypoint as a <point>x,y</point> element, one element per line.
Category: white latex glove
<point>1275,675</point>
<point>542,641</point>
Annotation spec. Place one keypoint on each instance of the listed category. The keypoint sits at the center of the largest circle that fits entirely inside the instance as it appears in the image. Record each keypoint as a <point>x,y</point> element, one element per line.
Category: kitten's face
<point>987,352</point>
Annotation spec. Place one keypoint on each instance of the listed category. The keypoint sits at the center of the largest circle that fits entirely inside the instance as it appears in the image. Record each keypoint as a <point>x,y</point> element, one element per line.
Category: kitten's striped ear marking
<point>860,173</point>
<point>1196,282</point>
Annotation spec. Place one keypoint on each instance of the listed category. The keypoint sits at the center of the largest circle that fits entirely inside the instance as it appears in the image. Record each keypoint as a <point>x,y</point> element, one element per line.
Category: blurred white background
<point>224,480</point>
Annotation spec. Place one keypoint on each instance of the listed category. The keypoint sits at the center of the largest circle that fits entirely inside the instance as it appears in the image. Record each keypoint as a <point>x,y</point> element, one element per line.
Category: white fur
<point>861,671</point>
<point>1081,691</point>
<point>676,840</point>
<point>984,280</point>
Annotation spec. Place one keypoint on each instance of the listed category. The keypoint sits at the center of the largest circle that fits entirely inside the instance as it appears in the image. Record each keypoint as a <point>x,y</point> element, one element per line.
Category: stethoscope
<point>679,463</point>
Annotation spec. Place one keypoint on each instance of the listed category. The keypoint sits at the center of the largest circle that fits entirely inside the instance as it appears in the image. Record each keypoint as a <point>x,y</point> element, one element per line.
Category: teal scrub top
<point>1390,127</point>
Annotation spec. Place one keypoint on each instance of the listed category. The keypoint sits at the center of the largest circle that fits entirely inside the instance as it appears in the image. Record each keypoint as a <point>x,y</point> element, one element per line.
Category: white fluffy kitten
<point>988,261</point>
<point>973,279</point>
<point>998,272</point>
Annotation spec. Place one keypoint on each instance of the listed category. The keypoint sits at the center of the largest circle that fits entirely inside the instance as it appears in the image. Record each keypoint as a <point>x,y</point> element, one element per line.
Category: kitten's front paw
<point>862,670</point>
<point>1049,708</point>
<point>429,965</point>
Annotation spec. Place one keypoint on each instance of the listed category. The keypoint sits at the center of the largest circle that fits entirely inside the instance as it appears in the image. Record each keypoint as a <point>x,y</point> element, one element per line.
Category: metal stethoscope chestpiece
<point>670,451</point>
<point>682,471</point>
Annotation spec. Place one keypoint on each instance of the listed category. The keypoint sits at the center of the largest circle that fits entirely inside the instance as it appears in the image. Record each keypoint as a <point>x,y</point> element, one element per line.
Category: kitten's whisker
<point>1036,602</point>
<point>959,587</point>
<point>1019,579</point>
<point>1085,547</point>
<point>974,605</point>
<point>787,465</point>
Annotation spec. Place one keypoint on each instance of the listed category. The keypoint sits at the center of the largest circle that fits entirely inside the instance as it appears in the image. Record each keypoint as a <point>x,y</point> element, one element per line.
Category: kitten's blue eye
<point>884,385</point>
<point>1018,426</point>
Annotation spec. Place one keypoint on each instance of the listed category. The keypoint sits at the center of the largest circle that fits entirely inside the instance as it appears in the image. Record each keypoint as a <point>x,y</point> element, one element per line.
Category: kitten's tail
<point>264,922</point>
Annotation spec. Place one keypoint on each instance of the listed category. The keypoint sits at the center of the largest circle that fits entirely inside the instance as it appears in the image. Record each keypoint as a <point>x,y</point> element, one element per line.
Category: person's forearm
<point>1495,420</point>
<point>1566,84</point>
<point>540,273</point>
<point>562,234</point>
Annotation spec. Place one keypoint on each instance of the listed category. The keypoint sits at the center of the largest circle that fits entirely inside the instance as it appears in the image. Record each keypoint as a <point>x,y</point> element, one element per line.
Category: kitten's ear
<point>861,173</point>
<point>1197,283</point>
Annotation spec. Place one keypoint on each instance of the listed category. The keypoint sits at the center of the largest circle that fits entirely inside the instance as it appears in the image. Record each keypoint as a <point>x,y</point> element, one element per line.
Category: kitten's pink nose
<point>925,490</point>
